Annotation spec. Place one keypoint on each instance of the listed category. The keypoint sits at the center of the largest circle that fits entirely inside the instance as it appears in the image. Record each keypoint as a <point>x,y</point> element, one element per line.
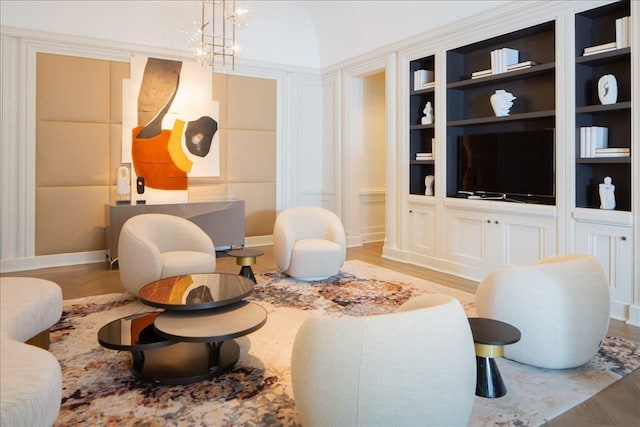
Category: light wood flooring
<point>618,405</point>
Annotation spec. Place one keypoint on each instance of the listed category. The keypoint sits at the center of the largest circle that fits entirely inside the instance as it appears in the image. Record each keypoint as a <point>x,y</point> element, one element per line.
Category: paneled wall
<point>78,146</point>
<point>78,120</point>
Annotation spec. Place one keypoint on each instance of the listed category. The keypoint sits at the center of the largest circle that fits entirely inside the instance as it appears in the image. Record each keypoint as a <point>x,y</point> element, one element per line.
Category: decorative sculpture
<point>428,185</point>
<point>501,102</point>
<point>124,184</point>
<point>608,89</point>
<point>428,114</point>
<point>607,194</point>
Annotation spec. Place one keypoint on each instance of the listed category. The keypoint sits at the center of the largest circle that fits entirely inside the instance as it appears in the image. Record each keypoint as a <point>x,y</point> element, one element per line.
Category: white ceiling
<point>307,33</point>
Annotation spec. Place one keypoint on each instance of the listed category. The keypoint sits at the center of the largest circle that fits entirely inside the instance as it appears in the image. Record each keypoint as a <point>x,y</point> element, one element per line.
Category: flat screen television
<point>512,164</point>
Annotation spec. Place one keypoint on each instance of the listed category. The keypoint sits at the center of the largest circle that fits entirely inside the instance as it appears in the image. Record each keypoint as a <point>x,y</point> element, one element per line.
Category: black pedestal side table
<point>490,336</point>
<point>246,258</point>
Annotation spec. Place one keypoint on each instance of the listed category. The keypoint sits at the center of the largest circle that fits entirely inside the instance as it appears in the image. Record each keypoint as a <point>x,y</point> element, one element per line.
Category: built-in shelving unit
<point>469,109</point>
<point>592,28</point>
<point>420,135</point>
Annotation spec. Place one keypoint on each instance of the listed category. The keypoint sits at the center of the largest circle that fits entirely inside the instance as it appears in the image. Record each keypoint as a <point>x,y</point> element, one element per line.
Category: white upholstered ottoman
<point>30,377</point>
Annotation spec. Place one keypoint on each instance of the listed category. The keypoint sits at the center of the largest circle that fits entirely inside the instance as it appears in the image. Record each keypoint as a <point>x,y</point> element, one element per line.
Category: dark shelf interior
<point>420,136</point>
<point>594,27</point>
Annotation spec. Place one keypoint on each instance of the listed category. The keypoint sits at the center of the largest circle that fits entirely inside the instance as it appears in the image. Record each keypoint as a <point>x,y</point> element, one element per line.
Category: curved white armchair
<point>155,246</point>
<point>560,305</point>
<point>309,243</point>
<point>416,366</point>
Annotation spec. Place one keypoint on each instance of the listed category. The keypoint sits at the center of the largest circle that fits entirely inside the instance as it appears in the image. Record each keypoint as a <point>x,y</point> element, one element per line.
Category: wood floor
<point>618,405</point>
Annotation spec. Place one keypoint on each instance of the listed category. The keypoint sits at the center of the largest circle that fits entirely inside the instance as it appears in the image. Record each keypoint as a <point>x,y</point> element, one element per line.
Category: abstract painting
<point>169,126</point>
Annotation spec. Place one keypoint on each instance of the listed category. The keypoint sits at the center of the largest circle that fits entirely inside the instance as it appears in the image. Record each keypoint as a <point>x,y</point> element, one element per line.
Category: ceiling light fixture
<point>215,35</point>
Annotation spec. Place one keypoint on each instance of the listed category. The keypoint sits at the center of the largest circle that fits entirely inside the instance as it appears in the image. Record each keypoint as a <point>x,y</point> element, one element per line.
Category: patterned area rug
<point>100,389</point>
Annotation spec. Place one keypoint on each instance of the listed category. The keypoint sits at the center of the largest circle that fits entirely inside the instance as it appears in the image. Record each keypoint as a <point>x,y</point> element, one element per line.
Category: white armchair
<point>416,366</point>
<point>155,246</point>
<point>560,305</point>
<point>309,243</point>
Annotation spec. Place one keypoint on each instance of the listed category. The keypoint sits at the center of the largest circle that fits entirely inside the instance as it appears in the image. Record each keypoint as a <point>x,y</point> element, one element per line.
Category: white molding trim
<point>254,241</point>
<point>634,315</point>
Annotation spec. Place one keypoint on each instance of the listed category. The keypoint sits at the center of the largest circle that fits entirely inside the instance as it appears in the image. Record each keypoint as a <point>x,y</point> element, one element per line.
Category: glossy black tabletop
<point>196,291</point>
<point>493,332</point>
<point>132,333</point>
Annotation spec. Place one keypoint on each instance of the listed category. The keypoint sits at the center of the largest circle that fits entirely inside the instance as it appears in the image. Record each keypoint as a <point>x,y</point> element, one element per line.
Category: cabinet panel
<point>613,246</point>
<point>422,230</point>
<point>524,244</point>
<point>467,238</point>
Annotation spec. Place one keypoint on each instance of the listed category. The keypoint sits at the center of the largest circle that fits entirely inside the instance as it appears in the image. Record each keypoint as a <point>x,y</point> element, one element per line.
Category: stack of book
<point>606,47</point>
<point>480,74</point>
<point>613,152</point>
<point>594,139</point>
<point>623,32</point>
<point>424,156</point>
<point>521,65</point>
<point>502,58</point>
<point>423,79</point>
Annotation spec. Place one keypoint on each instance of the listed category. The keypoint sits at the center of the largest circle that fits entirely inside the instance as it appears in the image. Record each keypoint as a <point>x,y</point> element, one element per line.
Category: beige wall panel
<point>224,149</point>
<point>220,83</point>
<point>71,153</point>
<point>115,152</point>
<point>118,71</point>
<point>203,192</point>
<point>259,206</point>
<point>372,162</point>
<point>72,89</point>
<point>252,103</point>
<point>70,219</point>
<point>251,156</point>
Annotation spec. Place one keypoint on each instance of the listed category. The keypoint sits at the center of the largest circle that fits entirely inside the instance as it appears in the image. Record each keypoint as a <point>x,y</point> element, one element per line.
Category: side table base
<point>489,381</point>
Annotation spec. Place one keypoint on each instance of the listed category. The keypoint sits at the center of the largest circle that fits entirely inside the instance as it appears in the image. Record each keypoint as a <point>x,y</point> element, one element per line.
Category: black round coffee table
<point>490,336</point>
<point>192,340</point>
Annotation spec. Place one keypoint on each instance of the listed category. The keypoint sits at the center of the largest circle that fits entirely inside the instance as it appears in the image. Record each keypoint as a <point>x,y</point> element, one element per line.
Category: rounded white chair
<point>156,246</point>
<point>31,378</point>
<point>416,366</point>
<point>560,305</point>
<point>309,243</point>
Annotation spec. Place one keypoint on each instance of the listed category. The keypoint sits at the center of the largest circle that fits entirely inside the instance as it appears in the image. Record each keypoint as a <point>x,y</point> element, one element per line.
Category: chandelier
<point>214,38</point>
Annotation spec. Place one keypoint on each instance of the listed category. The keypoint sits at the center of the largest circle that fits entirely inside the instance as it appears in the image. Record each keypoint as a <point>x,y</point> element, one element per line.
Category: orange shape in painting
<point>151,159</point>
<point>175,148</point>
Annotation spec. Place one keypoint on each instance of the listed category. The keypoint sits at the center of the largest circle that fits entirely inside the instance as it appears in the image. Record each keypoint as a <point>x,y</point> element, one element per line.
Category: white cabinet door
<point>488,241</point>
<point>471,238</point>
<point>422,227</point>
<point>525,240</point>
<point>613,246</point>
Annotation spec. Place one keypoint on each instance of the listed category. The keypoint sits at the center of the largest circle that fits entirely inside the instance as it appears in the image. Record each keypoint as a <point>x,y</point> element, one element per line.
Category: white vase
<point>608,89</point>
<point>501,102</point>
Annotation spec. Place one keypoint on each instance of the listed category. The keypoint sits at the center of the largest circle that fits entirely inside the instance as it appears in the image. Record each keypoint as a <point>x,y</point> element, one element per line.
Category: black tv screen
<point>512,163</point>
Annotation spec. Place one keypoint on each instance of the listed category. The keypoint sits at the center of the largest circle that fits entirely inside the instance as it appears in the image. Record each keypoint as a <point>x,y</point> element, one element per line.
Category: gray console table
<point>222,220</point>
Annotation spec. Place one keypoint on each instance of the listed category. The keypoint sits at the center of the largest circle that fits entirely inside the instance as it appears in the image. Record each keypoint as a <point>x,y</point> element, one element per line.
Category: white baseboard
<point>258,241</point>
<point>47,261</point>
<point>634,315</point>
